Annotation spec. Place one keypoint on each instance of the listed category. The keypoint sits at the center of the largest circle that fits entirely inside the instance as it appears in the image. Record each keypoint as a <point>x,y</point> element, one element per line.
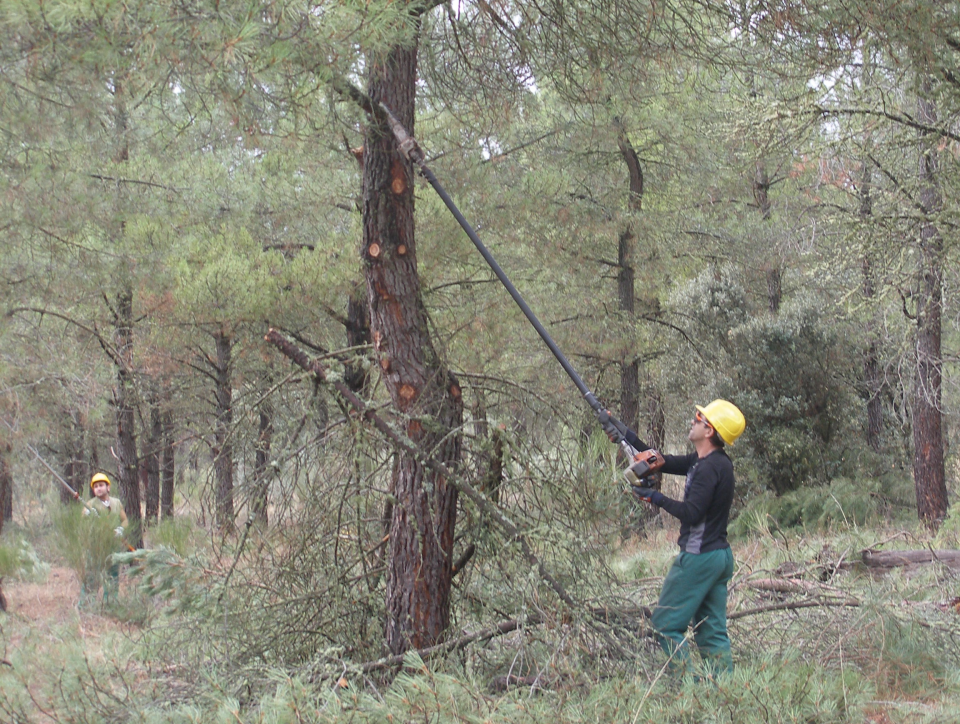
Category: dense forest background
<point>338,438</point>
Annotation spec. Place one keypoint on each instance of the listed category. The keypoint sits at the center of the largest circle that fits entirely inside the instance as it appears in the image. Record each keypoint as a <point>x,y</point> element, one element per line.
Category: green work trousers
<point>110,579</point>
<point>695,591</point>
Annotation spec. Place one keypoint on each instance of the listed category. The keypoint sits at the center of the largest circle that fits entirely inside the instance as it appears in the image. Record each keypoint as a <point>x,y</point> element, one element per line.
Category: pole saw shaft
<point>411,150</point>
<point>64,483</point>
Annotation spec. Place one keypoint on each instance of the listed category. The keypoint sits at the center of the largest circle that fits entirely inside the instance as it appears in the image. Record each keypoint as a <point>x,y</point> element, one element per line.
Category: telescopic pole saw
<point>409,147</point>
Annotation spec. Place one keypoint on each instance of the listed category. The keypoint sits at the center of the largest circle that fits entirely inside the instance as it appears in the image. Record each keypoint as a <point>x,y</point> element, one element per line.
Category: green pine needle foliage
<point>18,559</point>
<point>85,542</point>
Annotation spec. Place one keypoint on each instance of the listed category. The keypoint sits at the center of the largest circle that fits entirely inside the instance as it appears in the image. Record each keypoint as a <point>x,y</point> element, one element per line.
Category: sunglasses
<point>701,419</point>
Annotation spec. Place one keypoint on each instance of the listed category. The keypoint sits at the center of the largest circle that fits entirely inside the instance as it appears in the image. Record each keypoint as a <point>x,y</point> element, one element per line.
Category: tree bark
<point>423,391</point>
<point>223,447</point>
<point>928,463</point>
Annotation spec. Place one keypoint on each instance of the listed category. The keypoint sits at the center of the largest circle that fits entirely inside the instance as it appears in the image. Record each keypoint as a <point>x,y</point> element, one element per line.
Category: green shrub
<point>177,534</point>
<point>791,373</point>
<point>18,559</point>
<point>842,503</point>
<point>85,542</point>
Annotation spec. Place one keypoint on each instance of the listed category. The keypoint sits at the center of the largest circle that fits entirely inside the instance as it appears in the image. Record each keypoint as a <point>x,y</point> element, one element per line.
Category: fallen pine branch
<point>793,585</point>
<point>501,629</point>
<point>793,605</point>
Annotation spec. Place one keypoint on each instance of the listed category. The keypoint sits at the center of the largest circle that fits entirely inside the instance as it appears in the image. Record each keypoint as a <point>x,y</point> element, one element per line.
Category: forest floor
<point>890,637</point>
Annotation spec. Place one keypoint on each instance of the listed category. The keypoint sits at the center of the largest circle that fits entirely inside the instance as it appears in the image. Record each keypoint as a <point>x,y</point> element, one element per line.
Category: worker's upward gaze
<point>695,589</point>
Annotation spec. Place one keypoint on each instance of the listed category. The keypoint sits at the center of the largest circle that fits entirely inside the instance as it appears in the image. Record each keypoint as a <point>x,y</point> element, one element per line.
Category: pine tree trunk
<point>261,472</point>
<point>626,250</point>
<point>773,272</point>
<point>355,374</point>
<point>152,460</point>
<point>425,394</point>
<point>75,471</point>
<point>6,484</point>
<point>928,462</point>
<point>223,447</point>
<point>125,393</point>
<point>124,403</point>
<point>167,467</point>
<point>872,377</point>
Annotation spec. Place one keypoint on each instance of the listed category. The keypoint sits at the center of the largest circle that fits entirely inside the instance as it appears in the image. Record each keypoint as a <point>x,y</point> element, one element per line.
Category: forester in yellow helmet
<point>695,589</point>
<point>104,505</point>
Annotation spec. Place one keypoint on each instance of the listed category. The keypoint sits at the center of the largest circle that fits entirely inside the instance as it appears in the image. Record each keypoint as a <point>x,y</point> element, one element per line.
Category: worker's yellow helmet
<point>99,478</point>
<point>725,418</point>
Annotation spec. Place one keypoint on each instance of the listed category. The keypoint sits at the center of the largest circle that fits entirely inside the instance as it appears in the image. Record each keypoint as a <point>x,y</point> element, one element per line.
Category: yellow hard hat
<point>99,478</point>
<point>725,418</point>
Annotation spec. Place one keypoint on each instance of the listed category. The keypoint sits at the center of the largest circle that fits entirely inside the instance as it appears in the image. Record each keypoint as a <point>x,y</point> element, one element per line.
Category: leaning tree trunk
<point>928,464</point>
<point>223,446</point>
<point>425,394</point>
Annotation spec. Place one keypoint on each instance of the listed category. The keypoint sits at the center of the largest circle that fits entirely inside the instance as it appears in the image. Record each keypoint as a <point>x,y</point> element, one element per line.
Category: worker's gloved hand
<point>118,531</point>
<point>615,429</point>
<point>648,495</point>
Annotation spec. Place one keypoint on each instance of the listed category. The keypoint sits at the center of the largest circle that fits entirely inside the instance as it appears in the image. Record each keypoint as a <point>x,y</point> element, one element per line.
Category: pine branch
<point>299,357</point>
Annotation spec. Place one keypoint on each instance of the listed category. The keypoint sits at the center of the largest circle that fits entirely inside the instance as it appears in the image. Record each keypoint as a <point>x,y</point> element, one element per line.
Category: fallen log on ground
<point>895,559</point>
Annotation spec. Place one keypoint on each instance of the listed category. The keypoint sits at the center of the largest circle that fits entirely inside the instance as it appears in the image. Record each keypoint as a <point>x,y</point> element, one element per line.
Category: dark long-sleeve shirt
<point>707,497</point>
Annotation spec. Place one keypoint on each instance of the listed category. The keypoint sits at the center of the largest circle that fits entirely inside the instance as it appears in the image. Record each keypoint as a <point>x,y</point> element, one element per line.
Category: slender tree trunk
<point>223,447</point>
<point>124,403</point>
<point>872,376</point>
<point>152,461</point>
<point>261,471</point>
<point>355,374</point>
<point>423,391</point>
<point>773,271</point>
<point>125,392</point>
<point>928,462</point>
<point>75,470</point>
<point>6,484</point>
<point>626,251</point>
<point>167,467</point>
